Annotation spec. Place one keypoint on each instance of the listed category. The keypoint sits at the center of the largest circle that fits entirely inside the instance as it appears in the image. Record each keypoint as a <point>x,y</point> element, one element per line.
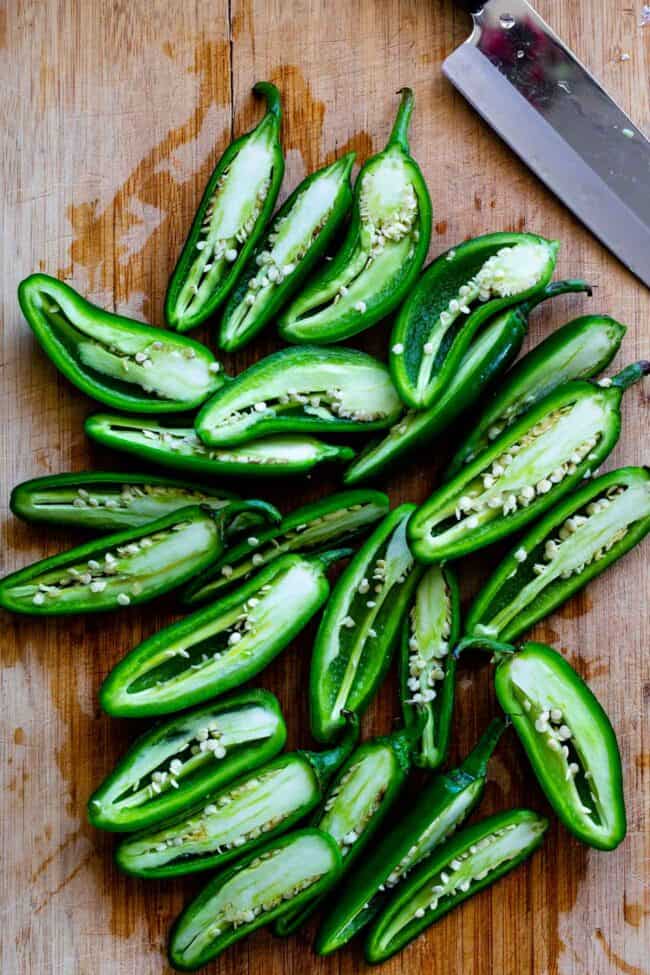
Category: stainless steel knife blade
<point>546,106</point>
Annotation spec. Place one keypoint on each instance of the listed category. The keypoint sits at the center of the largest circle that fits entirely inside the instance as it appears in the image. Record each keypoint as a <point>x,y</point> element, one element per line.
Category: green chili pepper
<point>222,646</point>
<point>470,861</point>
<point>236,206</point>
<point>302,390</point>
<point>281,876</point>
<point>437,322</point>
<point>578,350</point>
<point>431,627</point>
<point>360,625</point>
<point>357,804</point>
<point>568,738</point>
<point>258,806</point>
<point>180,448</point>
<point>383,251</point>
<point>439,809</point>
<point>528,467</point>
<point>338,518</point>
<point>297,237</point>
<point>129,567</point>
<point>125,364</point>
<point>179,762</point>
<point>111,501</point>
<point>574,542</point>
<point>489,354</point>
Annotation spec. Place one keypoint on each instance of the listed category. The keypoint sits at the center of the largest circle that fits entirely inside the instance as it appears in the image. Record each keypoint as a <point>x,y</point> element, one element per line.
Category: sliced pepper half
<point>302,390</point>
<point>281,876</point>
<point>235,208</point>
<point>297,237</point>
<point>124,364</point>
<point>578,350</point>
<point>179,447</point>
<point>222,646</point>
<point>126,568</point>
<point>454,297</point>
<point>255,808</point>
<point>532,464</point>
<point>337,519</point>
<point>360,625</point>
<point>439,809</point>
<point>383,251</point>
<point>179,762</point>
<point>470,861</point>
<point>573,543</point>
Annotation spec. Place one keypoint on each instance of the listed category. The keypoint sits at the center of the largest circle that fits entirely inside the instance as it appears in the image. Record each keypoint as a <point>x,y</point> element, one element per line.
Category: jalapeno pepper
<point>222,646</point>
<point>437,323</point>
<point>179,447</point>
<point>489,354</point>
<point>338,519</point>
<point>110,501</point>
<point>431,627</point>
<point>470,861</point>
<point>568,739</point>
<point>575,541</point>
<point>527,468</point>
<point>578,350</point>
<point>179,762</point>
<point>439,809</point>
<point>297,237</point>
<point>302,390</point>
<point>236,206</point>
<point>357,804</point>
<point>253,809</point>
<point>125,364</point>
<point>281,876</point>
<point>128,567</point>
<point>383,251</point>
<point>360,625</point>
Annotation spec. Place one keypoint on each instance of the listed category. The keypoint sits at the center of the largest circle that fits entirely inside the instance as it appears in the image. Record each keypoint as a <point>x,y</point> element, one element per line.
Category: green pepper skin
<point>439,809</point>
<point>579,350</point>
<point>111,500</point>
<point>511,838</point>
<point>338,518</point>
<point>382,253</point>
<point>488,356</point>
<point>581,773</point>
<point>532,579</point>
<point>297,237</point>
<point>526,470</point>
<point>252,810</point>
<point>355,640</point>
<point>181,311</point>
<point>421,373</point>
<point>251,730</point>
<point>218,648</point>
<point>355,807</point>
<point>301,390</point>
<point>264,897</point>
<point>430,629</point>
<point>106,355</point>
<point>127,568</point>
<point>180,448</point>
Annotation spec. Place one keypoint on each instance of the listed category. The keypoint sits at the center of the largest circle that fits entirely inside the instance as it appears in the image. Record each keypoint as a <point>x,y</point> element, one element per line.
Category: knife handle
<point>471,6</point>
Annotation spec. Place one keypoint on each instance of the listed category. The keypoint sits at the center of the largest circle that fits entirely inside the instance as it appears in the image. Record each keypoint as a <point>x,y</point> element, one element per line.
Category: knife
<point>546,106</point>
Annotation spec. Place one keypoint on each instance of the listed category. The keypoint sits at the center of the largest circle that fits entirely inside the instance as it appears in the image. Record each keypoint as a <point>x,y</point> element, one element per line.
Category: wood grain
<point>112,116</point>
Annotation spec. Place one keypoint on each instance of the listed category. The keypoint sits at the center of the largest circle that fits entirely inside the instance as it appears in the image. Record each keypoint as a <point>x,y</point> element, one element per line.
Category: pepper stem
<point>326,763</point>
<point>399,134</point>
<point>333,555</point>
<point>225,516</point>
<point>631,374</point>
<point>476,762</point>
<point>273,100</point>
<point>482,643</point>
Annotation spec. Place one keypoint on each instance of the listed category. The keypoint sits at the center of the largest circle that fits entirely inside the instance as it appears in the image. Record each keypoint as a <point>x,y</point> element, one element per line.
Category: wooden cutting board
<point>113,116</point>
